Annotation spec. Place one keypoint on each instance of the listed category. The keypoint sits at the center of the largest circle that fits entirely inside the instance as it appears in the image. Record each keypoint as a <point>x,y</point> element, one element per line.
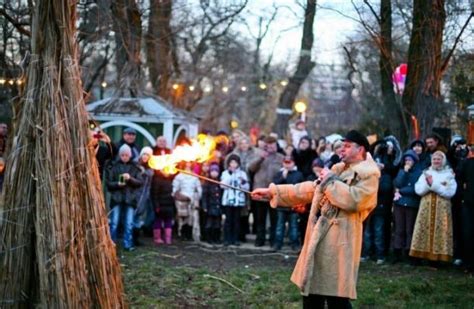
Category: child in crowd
<point>187,191</point>
<point>288,174</point>
<point>123,180</point>
<point>211,205</point>
<point>233,200</point>
<point>297,132</point>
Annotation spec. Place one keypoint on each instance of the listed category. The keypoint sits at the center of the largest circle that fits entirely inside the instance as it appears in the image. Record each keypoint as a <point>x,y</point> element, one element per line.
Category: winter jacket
<point>297,135</point>
<point>104,154</point>
<point>444,184</point>
<point>329,260</point>
<point>128,194</point>
<point>294,176</point>
<point>265,169</point>
<point>161,195</point>
<point>405,183</point>
<point>144,196</point>
<point>304,159</point>
<point>189,186</point>
<point>385,193</point>
<point>466,182</point>
<point>238,179</point>
<point>211,199</point>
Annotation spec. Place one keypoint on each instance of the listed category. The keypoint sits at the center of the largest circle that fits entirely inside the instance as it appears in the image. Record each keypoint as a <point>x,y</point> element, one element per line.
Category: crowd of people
<point>425,201</point>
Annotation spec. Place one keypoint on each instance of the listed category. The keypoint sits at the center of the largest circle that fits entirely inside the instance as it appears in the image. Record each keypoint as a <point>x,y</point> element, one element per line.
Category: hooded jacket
<point>405,182</point>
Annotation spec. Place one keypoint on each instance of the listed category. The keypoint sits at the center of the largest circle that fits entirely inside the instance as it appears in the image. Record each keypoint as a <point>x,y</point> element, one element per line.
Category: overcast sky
<point>330,28</point>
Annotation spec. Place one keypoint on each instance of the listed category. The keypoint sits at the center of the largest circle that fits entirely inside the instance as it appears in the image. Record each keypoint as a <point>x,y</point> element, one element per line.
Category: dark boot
<point>135,236</point>
<point>397,256</point>
<point>217,236</point>
<point>209,235</point>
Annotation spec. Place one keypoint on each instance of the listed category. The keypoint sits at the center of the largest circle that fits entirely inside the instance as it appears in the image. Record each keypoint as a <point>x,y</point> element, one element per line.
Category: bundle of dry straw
<point>55,248</point>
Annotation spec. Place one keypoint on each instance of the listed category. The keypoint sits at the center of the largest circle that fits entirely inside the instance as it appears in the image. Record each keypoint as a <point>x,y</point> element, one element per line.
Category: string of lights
<point>175,86</point>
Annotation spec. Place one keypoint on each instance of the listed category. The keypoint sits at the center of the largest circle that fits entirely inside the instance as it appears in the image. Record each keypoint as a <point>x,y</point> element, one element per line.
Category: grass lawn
<point>190,275</point>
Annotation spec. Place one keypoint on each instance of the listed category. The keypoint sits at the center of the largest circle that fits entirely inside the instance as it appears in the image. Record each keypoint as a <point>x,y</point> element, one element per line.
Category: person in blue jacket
<point>406,203</point>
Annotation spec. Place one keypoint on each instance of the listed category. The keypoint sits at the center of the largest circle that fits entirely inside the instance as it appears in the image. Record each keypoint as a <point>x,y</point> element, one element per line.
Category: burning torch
<point>200,150</point>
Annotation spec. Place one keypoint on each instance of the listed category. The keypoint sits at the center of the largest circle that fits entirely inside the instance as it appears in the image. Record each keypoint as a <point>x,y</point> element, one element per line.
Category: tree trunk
<point>304,67</point>
<point>128,32</point>
<point>55,245</point>
<point>397,123</point>
<point>422,91</point>
<point>159,45</point>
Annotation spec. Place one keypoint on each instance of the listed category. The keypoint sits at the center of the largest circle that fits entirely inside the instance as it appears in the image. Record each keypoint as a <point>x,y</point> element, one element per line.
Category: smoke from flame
<point>200,150</point>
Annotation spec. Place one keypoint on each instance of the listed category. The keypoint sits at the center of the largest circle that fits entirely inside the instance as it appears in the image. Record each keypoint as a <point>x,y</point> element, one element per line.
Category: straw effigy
<point>55,247</point>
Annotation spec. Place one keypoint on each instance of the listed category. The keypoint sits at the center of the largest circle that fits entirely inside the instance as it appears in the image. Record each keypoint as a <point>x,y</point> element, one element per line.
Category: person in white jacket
<point>187,190</point>
<point>433,233</point>
<point>233,200</point>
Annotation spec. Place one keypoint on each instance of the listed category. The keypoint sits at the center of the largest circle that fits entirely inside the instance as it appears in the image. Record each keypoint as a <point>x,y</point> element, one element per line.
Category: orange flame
<point>199,151</point>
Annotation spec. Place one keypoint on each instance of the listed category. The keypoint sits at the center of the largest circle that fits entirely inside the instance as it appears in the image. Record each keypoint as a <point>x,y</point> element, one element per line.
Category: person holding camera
<point>103,149</point>
<point>123,180</point>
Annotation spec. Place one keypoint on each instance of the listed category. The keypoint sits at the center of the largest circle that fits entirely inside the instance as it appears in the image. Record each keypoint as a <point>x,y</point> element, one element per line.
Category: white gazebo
<point>150,116</point>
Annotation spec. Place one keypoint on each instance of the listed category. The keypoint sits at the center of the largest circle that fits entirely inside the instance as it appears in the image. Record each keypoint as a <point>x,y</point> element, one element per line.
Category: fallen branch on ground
<point>223,280</point>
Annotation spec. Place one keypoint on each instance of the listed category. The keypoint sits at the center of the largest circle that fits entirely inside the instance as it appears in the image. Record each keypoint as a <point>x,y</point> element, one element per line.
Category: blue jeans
<point>374,236</point>
<point>291,217</point>
<point>126,213</point>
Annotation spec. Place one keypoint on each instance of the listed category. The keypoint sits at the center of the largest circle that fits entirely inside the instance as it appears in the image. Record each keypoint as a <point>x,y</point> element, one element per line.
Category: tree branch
<point>444,66</point>
<point>373,11</point>
<point>15,23</point>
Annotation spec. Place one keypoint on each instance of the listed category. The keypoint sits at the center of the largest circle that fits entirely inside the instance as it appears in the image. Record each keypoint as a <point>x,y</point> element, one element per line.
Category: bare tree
<point>161,52</point>
<point>128,36</point>
<point>422,96</point>
<point>95,43</point>
<point>304,67</point>
<point>199,35</point>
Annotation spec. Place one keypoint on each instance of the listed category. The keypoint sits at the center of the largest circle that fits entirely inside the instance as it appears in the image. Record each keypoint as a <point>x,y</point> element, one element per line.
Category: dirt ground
<point>217,257</point>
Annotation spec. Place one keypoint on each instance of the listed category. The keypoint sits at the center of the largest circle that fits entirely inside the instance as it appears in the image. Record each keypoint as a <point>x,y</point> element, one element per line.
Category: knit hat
<point>130,131</point>
<point>146,150</point>
<point>125,149</point>
<point>234,157</point>
<point>411,154</point>
<point>417,142</point>
<point>214,168</point>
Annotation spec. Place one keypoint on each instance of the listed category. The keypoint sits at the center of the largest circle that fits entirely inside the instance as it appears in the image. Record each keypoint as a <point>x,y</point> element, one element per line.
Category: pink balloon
<point>403,68</point>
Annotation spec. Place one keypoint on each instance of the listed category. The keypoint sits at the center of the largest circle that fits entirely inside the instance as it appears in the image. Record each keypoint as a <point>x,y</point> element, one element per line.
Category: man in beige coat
<point>341,199</point>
